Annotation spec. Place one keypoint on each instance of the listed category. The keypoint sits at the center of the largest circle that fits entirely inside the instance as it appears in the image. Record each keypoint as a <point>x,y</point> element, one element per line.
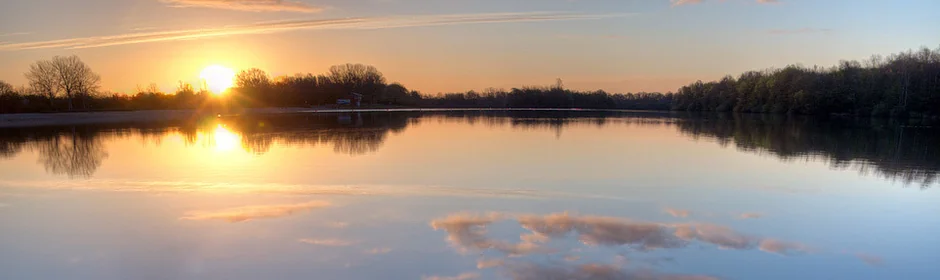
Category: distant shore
<point>106,117</point>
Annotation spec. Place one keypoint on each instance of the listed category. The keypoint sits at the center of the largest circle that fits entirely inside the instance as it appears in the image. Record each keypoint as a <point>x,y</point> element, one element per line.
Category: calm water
<point>470,195</point>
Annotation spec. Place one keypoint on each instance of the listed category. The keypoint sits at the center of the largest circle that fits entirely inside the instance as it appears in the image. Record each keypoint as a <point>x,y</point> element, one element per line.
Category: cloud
<point>806,30</point>
<point>241,214</point>
<point>463,276</point>
<point>247,5</point>
<point>721,236</point>
<point>14,34</point>
<point>379,251</point>
<point>294,25</point>
<point>745,216</point>
<point>596,230</point>
<point>327,242</point>
<point>678,213</point>
<point>684,2</point>
<point>870,259</point>
<point>488,263</point>
<point>467,232</point>
<point>676,3</point>
<point>532,271</point>
<point>782,247</point>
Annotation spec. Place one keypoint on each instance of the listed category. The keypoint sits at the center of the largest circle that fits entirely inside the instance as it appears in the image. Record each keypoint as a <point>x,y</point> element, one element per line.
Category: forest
<point>906,84</point>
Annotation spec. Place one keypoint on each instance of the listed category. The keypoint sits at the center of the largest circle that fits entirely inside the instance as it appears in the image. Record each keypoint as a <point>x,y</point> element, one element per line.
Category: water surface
<point>472,195</point>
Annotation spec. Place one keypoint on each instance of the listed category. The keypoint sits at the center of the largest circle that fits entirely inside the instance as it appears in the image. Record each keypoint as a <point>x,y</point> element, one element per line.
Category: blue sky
<point>652,45</point>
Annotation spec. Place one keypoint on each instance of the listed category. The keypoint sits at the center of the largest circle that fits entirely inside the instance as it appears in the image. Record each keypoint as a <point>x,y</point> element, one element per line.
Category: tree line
<point>903,84</point>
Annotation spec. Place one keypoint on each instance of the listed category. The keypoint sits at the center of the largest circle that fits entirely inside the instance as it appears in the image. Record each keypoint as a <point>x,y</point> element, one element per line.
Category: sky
<point>458,45</point>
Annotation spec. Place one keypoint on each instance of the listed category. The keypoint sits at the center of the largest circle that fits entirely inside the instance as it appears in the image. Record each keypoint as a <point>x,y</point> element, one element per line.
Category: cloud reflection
<point>870,259</point>
<point>462,276</point>
<point>327,242</point>
<point>782,247</point>
<point>678,213</point>
<point>533,271</point>
<point>467,232</point>
<point>241,214</point>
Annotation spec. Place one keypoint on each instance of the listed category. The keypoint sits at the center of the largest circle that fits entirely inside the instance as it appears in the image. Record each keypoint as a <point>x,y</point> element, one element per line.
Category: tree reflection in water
<point>908,151</point>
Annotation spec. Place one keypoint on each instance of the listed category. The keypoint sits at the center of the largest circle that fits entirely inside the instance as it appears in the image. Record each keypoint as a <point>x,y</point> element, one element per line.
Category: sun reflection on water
<point>225,140</point>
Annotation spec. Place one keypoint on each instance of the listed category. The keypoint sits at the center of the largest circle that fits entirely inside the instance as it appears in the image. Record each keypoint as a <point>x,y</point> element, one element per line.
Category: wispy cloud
<point>678,213</point>
<point>721,236</point>
<point>247,5</point>
<point>241,214</point>
<point>806,30</point>
<point>379,251</point>
<point>870,259</point>
<point>745,216</point>
<point>294,25</point>
<point>783,247</point>
<point>327,242</point>
<point>463,276</point>
<point>684,2</point>
<point>14,34</point>
<point>689,2</point>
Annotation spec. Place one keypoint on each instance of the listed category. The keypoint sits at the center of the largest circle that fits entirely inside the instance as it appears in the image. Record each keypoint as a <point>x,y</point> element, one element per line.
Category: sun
<point>217,78</point>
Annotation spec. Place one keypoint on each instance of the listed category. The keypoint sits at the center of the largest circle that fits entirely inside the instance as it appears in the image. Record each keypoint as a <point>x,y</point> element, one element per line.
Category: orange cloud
<point>379,251</point>
<point>327,242</point>
<point>241,214</point>
<point>247,5</point>
<point>294,25</point>
<point>745,216</point>
<point>782,247</point>
<point>678,213</point>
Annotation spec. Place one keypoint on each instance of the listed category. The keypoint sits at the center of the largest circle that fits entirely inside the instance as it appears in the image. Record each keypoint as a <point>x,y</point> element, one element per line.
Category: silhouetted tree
<point>73,77</point>
<point>252,78</point>
<point>358,78</point>
<point>43,80</point>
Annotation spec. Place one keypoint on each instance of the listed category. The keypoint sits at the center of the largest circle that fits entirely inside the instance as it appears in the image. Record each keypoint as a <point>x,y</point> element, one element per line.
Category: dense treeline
<point>902,84</point>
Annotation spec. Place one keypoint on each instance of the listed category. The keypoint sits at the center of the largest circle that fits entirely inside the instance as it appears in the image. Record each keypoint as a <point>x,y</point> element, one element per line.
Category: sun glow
<point>225,140</point>
<point>217,78</point>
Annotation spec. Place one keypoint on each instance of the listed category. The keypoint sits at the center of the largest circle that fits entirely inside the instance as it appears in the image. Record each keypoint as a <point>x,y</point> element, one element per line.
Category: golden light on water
<point>218,78</point>
<point>225,140</point>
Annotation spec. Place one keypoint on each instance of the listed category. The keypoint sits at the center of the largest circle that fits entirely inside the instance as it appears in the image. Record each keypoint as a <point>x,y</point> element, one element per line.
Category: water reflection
<point>909,153</point>
<point>631,240</point>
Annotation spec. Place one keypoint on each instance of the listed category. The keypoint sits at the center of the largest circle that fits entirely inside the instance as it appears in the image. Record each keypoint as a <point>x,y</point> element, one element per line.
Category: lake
<point>472,195</point>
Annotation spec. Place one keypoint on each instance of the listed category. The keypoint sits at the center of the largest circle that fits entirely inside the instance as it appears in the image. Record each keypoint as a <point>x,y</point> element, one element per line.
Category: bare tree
<point>252,78</point>
<point>74,77</point>
<point>68,75</point>
<point>363,79</point>
<point>42,80</point>
<point>5,87</point>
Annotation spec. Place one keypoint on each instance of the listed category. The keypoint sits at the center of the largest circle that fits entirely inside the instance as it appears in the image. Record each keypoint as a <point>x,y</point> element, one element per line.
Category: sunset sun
<point>218,78</point>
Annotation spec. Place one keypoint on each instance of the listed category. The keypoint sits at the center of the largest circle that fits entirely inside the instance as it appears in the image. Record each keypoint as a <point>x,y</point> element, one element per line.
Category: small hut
<point>351,99</point>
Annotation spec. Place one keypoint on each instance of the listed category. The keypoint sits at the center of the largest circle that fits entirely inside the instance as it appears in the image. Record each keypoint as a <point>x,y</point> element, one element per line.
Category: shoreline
<point>106,117</point>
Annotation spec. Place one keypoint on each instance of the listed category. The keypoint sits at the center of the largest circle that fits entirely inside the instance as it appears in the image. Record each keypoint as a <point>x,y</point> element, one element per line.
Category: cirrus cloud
<point>246,213</point>
<point>361,23</point>
<point>247,5</point>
